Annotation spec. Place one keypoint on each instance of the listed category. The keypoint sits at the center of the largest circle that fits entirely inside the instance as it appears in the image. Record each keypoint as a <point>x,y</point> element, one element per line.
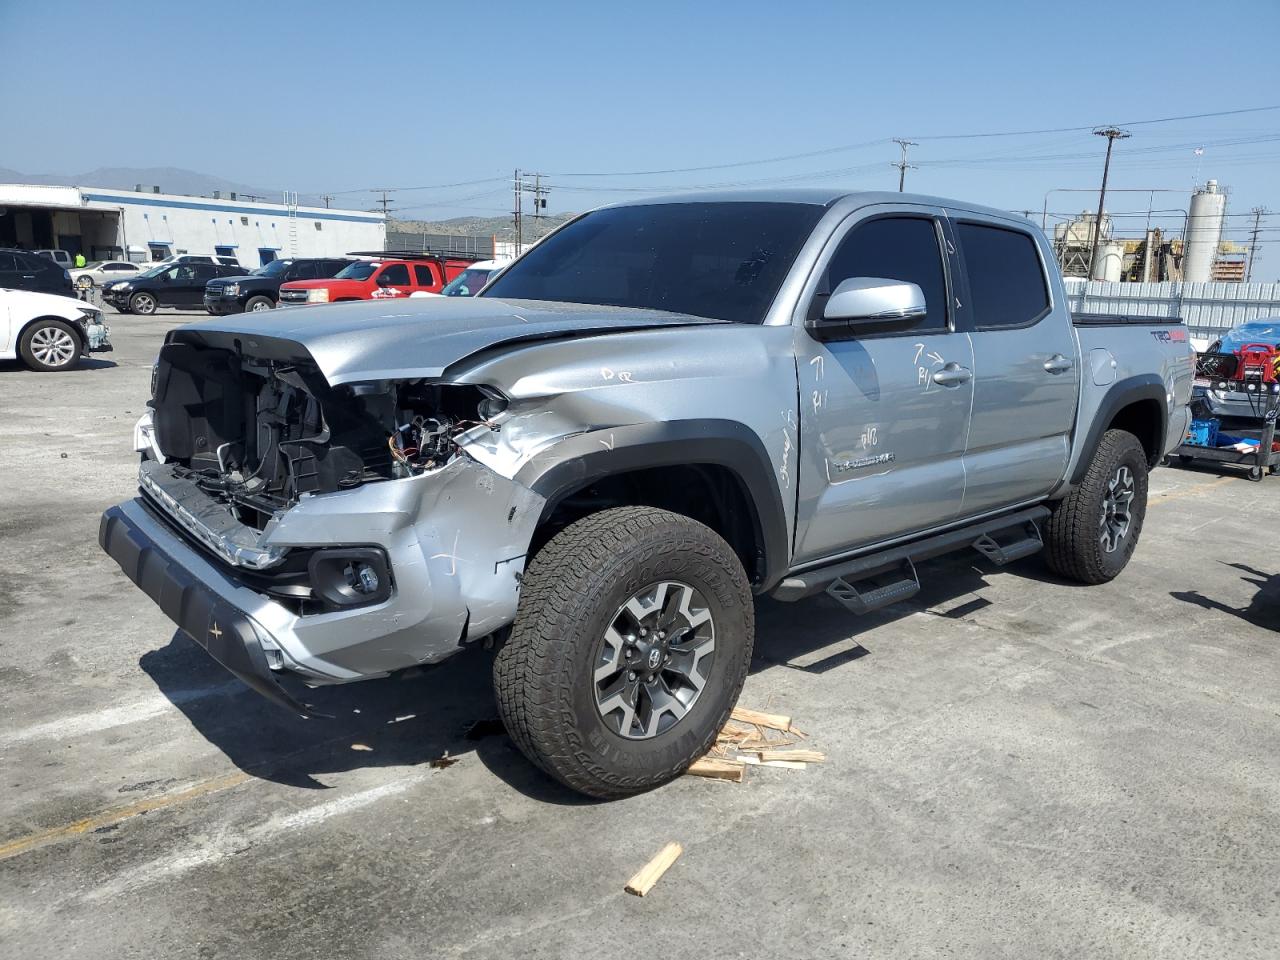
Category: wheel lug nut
<point>644,632</point>
<point>631,675</point>
<point>627,653</point>
<point>662,634</point>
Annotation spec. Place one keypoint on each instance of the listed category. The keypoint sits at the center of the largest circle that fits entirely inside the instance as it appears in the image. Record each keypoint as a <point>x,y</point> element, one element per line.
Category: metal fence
<point>1206,308</point>
<point>474,246</point>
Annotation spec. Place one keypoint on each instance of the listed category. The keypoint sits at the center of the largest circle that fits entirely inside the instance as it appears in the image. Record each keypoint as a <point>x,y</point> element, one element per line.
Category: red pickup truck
<point>377,278</point>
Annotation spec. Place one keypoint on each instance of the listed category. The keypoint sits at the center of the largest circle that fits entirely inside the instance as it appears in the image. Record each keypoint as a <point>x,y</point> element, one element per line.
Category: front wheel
<point>1092,533</point>
<point>142,303</point>
<point>259,305</point>
<point>49,345</point>
<point>84,283</point>
<point>630,647</point>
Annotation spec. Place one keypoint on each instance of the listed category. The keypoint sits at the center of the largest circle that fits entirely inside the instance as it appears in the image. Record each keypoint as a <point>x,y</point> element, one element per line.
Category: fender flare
<point>1122,393</point>
<point>578,460</point>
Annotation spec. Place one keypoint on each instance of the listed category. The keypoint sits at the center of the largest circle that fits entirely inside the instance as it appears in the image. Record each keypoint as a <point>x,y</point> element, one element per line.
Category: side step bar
<point>902,583</point>
<point>1001,539</point>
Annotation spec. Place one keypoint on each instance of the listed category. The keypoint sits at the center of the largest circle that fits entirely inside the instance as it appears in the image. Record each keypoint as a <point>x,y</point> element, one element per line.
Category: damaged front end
<point>344,524</point>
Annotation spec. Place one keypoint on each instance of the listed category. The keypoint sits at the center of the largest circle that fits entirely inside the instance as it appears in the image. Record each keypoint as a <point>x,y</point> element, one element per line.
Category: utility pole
<point>1258,214</point>
<point>516,211</point>
<point>1112,134</point>
<point>520,185</point>
<point>902,164</point>
<point>327,198</point>
<point>383,203</point>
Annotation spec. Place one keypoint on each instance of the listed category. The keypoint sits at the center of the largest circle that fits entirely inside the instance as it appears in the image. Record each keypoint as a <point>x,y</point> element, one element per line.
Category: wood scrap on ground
<point>757,739</point>
<point>652,871</point>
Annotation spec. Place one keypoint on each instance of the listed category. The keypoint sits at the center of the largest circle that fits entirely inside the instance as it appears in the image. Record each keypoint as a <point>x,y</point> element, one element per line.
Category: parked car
<point>60,257</point>
<point>662,408</point>
<point>104,271</point>
<point>178,285</point>
<point>1238,404</point>
<point>49,332</point>
<point>260,289</point>
<point>470,280</point>
<point>379,278</point>
<point>25,270</point>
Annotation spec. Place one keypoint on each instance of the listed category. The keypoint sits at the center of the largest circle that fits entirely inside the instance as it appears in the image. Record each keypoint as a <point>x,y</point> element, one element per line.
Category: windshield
<point>155,271</point>
<point>466,284</point>
<point>721,260</point>
<point>1258,331</point>
<point>360,270</point>
<point>272,269</point>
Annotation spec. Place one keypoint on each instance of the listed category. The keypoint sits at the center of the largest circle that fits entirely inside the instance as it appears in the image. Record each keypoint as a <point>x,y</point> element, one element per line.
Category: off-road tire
<point>1072,547</point>
<point>258,304</point>
<point>543,674</point>
<point>143,304</point>
<point>39,339</point>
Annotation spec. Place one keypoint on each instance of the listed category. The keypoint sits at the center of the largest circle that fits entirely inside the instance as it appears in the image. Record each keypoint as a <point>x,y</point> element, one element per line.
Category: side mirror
<point>868,302</point>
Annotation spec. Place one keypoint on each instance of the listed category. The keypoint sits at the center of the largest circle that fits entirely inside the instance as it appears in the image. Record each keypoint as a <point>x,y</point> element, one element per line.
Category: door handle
<point>1058,364</point>
<point>952,375</point>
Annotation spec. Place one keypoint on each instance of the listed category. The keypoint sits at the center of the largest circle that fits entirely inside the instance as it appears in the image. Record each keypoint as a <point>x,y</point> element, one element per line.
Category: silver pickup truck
<point>660,410</point>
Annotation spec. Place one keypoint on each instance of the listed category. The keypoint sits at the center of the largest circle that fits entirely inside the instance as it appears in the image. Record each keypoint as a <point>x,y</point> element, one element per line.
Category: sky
<point>340,98</point>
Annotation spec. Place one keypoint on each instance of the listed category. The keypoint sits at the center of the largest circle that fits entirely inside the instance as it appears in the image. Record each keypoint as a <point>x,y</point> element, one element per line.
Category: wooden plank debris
<point>772,720</point>
<point>652,871</point>
<point>754,760</point>
<point>797,756</point>
<point>717,768</point>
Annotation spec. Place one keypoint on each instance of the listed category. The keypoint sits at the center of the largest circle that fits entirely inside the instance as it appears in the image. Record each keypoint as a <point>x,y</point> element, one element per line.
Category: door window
<point>8,263</point>
<point>303,271</point>
<point>396,273</point>
<point>422,273</point>
<point>204,271</point>
<point>893,248</point>
<point>1006,280</point>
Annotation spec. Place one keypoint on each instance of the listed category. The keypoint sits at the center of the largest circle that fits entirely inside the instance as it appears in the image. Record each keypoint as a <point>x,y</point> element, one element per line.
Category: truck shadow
<point>433,716</point>
<point>1263,609</point>
<point>441,714</point>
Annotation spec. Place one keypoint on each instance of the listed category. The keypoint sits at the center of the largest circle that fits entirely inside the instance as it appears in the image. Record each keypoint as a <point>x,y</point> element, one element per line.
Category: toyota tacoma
<point>661,409</point>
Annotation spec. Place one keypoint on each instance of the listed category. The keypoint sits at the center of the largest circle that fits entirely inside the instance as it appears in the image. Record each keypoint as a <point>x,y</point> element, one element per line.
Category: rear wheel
<point>629,649</point>
<point>142,303</point>
<point>49,345</point>
<point>259,304</point>
<point>1091,534</point>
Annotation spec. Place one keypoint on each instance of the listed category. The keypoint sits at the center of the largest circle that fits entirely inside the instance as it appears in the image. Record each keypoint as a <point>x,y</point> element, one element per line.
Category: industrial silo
<point>1109,264</point>
<point>1204,232</point>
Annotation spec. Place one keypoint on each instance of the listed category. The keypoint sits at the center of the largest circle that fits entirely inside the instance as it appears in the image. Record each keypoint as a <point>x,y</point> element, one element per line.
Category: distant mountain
<point>168,179</point>
<point>501,227</point>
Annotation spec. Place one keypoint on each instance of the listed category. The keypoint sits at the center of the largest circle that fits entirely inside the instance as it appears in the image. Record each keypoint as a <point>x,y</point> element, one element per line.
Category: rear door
<point>1026,369</point>
<point>426,276</point>
<point>881,441</point>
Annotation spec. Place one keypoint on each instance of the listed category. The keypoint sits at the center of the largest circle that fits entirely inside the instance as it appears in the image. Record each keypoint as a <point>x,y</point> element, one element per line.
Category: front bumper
<point>1234,406</point>
<point>222,305</point>
<point>447,589</point>
<point>214,621</point>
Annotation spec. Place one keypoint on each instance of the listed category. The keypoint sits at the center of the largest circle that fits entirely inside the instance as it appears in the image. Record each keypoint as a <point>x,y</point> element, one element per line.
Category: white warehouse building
<point>142,226</point>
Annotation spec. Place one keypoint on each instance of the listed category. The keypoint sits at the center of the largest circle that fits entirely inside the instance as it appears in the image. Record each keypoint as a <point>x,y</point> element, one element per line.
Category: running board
<point>1010,535</point>
<point>906,584</point>
<point>1006,546</point>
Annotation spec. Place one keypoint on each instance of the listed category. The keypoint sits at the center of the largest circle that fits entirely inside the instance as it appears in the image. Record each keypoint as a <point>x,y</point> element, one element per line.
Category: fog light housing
<point>350,577</point>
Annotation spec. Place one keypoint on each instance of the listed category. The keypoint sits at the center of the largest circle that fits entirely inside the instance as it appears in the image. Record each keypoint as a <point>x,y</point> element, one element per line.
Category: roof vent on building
<point>137,188</point>
<point>233,196</point>
<point>217,194</point>
<point>155,189</point>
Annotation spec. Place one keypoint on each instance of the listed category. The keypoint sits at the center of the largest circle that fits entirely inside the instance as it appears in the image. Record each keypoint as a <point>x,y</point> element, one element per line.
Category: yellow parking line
<point>23,844</point>
<point>1188,491</point>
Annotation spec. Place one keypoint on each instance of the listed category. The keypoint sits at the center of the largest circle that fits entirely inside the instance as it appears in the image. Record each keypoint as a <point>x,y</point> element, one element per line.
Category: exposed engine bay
<point>258,433</point>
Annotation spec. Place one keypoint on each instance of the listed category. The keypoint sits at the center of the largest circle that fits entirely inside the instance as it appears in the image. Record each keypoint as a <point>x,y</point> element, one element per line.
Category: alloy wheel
<point>1117,509</point>
<point>654,659</point>
<point>53,346</point>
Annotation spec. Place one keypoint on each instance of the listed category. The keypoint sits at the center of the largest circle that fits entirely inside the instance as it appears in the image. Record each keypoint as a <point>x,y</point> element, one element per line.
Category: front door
<point>884,416</point>
<point>1026,372</point>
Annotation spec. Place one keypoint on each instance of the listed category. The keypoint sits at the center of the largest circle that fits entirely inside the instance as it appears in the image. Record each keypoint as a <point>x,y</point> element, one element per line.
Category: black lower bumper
<point>224,631</point>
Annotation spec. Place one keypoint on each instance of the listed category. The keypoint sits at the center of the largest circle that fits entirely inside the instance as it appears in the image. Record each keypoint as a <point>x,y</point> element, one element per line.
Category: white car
<point>470,280</point>
<point>102,272</point>
<point>192,258</point>
<point>49,332</point>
